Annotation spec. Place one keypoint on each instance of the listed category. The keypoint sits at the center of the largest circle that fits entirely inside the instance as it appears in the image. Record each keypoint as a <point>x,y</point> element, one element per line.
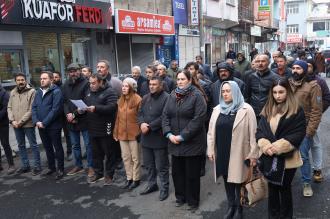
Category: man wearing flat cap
<point>225,73</point>
<point>75,88</point>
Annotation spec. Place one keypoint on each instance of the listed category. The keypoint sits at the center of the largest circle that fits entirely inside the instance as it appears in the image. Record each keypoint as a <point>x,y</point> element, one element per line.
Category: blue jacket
<point>48,108</point>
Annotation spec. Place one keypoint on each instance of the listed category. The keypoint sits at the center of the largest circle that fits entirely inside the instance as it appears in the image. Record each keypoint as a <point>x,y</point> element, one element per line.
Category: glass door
<point>11,62</point>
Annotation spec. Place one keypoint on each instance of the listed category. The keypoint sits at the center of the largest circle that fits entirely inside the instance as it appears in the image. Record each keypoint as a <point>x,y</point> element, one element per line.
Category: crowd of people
<point>241,115</point>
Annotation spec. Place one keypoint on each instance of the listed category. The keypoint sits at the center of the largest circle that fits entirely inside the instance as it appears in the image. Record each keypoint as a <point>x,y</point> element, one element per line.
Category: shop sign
<point>218,32</point>
<point>294,38</point>
<point>255,31</point>
<point>62,13</point>
<point>186,30</point>
<point>134,22</point>
<point>194,18</point>
<point>180,11</point>
<point>264,8</point>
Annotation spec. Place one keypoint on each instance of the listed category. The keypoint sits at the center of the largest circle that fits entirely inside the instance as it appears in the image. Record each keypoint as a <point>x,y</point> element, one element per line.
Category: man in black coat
<point>4,130</point>
<point>161,72</point>
<point>259,83</point>
<point>58,82</point>
<point>154,143</point>
<point>225,73</point>
<point>75,88</point>
<point>101,100</point>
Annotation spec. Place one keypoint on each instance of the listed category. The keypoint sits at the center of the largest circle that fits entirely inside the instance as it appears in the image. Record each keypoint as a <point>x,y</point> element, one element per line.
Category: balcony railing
<point>245,8</point>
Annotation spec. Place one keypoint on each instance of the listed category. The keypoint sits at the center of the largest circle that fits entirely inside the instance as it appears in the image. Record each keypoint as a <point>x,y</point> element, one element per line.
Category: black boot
<point>238,213</point>
<point>230,212</point>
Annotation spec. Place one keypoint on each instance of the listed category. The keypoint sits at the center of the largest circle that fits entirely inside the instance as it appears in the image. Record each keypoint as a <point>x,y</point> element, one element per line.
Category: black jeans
<point>280,197</point>
<point>51,139</point>
<point>233,193</point>
<point>103,147</point>
<point>186,178</point>
<point>67,138</point>
<point>156,161</point>
<point>4,139</point>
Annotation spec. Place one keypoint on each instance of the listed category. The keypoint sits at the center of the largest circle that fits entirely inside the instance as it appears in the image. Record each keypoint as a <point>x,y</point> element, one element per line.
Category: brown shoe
<point>90,172</point>
<point>75,171</point>
<point>107,180</point>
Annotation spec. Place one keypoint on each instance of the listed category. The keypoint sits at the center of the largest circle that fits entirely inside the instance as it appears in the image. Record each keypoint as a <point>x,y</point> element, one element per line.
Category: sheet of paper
<point>79,104</point>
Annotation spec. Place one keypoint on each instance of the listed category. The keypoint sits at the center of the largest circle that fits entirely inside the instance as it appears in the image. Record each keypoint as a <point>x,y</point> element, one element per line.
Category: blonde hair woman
<point>126,131</point>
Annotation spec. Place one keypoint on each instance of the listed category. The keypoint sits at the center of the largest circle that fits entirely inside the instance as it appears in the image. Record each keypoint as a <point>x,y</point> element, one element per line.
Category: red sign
<point>294,38</point>
<point>143,23</point>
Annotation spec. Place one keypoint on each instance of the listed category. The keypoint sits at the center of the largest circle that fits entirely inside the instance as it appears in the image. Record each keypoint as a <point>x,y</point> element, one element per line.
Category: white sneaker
<point>308,191</point>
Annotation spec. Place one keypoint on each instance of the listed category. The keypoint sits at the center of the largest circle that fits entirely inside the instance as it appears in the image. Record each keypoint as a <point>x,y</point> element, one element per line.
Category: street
<point>26,196</point>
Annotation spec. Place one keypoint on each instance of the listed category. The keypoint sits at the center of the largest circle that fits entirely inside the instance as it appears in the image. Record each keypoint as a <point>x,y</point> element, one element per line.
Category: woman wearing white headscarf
<point>231,143</point>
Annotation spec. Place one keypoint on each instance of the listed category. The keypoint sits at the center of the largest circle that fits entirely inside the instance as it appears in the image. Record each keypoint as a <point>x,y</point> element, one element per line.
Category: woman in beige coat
<point>231,143</point>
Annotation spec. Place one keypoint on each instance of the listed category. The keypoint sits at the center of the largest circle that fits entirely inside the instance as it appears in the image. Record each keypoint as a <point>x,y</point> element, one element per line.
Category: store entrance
<point>11,62</point>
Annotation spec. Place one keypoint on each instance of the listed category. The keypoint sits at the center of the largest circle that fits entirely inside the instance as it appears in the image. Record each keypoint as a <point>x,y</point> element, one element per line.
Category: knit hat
<point>132,83</point>
<point>225,65</point>
<point>302,64</point>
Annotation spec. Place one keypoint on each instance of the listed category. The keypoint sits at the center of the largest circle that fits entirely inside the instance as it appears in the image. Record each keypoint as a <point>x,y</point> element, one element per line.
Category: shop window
<point>10,64</point>
<point>42,49</point>
<point>75,48</point>
<point>123,51</point>
<point>142,54</point>
<point>318,26</point>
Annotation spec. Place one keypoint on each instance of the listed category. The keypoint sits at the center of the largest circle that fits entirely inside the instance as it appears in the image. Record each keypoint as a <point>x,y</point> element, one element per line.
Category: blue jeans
<point>20,134</point>
<point>317,152</point>
<point>306,170</point>
<point>75,141</point>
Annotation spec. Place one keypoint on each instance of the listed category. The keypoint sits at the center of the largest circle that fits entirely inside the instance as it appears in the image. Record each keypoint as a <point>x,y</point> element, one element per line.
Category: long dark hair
<point>290,105</point>
<point>194,82</point>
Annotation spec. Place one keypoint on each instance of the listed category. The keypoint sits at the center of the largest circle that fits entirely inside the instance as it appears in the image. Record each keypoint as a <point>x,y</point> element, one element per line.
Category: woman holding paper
<point>231,143</point>
<point>127,130</point>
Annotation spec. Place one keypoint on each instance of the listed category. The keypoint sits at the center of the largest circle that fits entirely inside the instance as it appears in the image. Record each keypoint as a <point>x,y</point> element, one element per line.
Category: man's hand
<point>40,125</point>
<point>91,109</point>
<point>69,117</point>
<point>173,139</point>
<point>144,128</point>
<point>14,124</point>
<point>211,157</point>
<point>269,152</point>
<point>253,162</point>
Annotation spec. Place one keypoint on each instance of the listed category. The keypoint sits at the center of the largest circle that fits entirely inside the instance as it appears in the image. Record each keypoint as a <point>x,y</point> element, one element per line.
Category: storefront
<point>139,37</point>
<point>50,34</point>
<point>188,43</point>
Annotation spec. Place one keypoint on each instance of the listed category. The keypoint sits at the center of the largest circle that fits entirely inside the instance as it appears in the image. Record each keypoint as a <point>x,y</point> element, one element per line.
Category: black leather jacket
<point>257,89</point>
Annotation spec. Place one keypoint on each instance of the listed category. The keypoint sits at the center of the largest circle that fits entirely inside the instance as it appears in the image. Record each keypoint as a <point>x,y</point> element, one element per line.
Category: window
<point>294,28</point>
<point>10,63</point>
<point>318,26</point>
<point>292,8</point>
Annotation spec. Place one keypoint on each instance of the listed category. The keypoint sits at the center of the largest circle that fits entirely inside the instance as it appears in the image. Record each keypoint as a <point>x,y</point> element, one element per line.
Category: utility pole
<point>201,29</point>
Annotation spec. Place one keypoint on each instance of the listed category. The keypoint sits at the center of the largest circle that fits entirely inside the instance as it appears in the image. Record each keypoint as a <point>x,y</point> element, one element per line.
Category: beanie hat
<point>302,64</point>
<point>225,65</point>
<point>132,83</point>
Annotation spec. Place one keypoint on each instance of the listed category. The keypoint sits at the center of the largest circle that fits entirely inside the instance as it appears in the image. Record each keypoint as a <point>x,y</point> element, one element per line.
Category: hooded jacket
<point>20,106</point>
<point>4,98</point>
<point>242,66</point>
<point>101,122</point>
<point>48,108</point>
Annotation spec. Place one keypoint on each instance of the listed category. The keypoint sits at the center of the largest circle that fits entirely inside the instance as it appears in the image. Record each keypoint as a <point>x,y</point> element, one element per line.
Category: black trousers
<point>4,139</point>
<point>67,138</point>
<point>103,148</point>
<point>280,197</point>
<point>156,163</point>
<point>186,178</point>
<point>233,193</point>
<point>51,139</point>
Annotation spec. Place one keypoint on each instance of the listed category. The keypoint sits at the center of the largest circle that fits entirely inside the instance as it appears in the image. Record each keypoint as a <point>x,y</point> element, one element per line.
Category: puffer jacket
<point>20,106</point>
<point>309,96</point>
<point>257,89</point>
<point>101,122</point>
<point>127,127</point>
<point>186,118</point>
<point>242,66</point>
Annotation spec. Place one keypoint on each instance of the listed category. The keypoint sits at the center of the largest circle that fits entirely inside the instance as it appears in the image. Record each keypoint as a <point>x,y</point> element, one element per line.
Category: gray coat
<point>186,117</point>
<point>151,113</point>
